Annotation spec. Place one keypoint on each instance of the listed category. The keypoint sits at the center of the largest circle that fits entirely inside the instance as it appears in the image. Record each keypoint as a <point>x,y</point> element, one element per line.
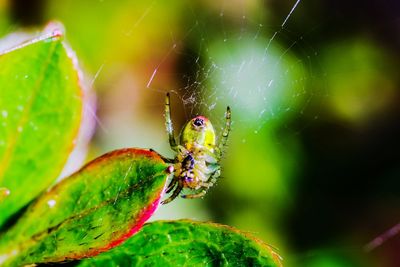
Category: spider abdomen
<point>191,170</point>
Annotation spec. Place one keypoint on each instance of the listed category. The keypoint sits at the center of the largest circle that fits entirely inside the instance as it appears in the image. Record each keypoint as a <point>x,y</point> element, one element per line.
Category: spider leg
<point>213,178</point>
<point>210,182</point>
<point>206,184</point>
<point>196,195</point>
<point>167,160</point>
<point>176,192</point>
<point>225,132</point>
<point>171,185</point>
<point>168,124</point>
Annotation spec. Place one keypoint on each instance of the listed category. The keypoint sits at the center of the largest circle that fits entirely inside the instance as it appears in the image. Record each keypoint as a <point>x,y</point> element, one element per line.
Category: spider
<point>196,164</point>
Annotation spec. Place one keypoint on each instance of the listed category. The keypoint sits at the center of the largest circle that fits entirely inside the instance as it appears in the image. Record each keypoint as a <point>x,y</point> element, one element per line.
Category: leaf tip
<point>55,30</point>
<point>170,169</point>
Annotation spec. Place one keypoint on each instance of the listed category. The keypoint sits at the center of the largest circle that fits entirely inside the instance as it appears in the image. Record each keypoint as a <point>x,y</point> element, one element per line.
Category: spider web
<point>263,72</point>
<point>226,57</point>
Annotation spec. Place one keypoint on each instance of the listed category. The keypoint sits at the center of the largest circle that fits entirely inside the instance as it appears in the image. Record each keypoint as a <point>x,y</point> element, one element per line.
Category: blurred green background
<point>312,164</point>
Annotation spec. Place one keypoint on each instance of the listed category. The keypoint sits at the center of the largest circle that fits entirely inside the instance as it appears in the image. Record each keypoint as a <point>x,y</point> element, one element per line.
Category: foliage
<point>101,205</point>
<point>41,107</point>
<point>185,242</point>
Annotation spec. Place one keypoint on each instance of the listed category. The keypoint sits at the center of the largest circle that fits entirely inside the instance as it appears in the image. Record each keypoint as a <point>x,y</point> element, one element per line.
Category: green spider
<point>196,165</point>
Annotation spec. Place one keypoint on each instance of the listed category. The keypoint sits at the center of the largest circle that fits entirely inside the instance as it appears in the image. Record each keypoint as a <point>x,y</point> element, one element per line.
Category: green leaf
<point>188,243</point>
<point>40,115</point>
<point>89,212</point>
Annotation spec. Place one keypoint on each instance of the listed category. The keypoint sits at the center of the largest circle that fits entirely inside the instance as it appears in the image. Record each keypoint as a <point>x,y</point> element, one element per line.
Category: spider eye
<point>198,122</point>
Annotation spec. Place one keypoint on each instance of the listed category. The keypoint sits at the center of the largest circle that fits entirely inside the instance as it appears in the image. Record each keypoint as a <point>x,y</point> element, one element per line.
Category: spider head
<point>199,131</point>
